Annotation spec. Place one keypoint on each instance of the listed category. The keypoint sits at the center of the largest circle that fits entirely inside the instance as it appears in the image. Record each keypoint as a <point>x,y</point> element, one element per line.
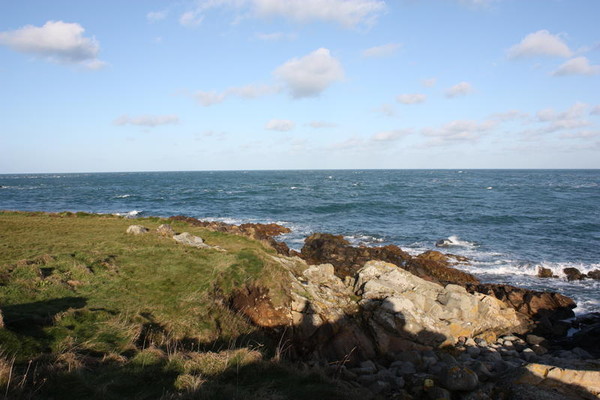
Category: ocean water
<point>508,222</point>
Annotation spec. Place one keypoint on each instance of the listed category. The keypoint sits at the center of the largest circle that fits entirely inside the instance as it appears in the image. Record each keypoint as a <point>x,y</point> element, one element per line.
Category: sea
<point>509,223</point>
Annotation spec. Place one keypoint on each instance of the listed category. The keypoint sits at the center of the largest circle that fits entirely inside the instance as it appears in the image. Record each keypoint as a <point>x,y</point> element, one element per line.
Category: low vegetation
<point>91,312</point>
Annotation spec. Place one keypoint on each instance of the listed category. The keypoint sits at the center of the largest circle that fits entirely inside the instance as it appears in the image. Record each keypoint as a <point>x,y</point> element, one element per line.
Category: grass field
<point>92,312</point>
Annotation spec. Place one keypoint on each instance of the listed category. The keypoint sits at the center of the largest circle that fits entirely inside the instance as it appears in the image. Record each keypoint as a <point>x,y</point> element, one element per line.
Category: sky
<point>106,86</point>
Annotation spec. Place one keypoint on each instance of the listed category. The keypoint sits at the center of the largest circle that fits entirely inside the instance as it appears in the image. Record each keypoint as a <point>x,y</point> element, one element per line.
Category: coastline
<point>341,312</point>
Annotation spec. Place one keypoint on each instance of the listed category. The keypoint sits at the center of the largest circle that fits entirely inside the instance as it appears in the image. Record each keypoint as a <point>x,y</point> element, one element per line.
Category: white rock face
<point>407,306</point>
<point>188,239</point>
<point>137,229</point>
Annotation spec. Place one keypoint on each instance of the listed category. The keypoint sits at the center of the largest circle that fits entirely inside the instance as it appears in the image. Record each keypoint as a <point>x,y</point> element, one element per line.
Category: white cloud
<point>595,110</point>
<point>381,51</point>
<point>411,98</point>
<point>552,121</point>
<point>577,66</point>
<point>251,91</point>
<point>147,120</point>
<point>390,136</point>
<point>321,124</point>
<point>282,125</point>
<point>577,110</point>
<point>458,131</point>
<point>348,144</point>
<point>581,135</point>
<point>190,19</point>
<point>348,13</point>
<point>386,109</point>
<point>460,89</point>
<point>509,115</point>
<point>540,43</point>
<point>155,16</point>
<point>56,41</point>
<point>275,36</point>
<point>310,75</point>
<point>208,98</point>
<point>429,82</point>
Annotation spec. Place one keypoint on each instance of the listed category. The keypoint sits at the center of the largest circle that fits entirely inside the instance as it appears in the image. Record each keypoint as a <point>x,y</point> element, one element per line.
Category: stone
<point>561,379</point>
<point>595,274</point>
<point>405,306</point>
<point>368,366</point>
<point>473,351</point>
<point>545,273</point>
<point>379,387</point>
<point>573,274</point>
<point>403,367</point>
<point>459,378</point>
<point>438,393</point>
<point>187,239</point>
<point>165,230</point>
<point>539,350</point>
<point>136,230</point>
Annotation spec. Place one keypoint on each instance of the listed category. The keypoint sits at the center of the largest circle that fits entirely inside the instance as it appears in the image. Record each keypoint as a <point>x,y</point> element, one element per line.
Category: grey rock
<point>481,342</point>
<point>398,383</point>
<point>482,371</point>
<point>539,350</point>
<point>459,378</point>
<point>448,359</point>
<point>188,239</point>
<point>136,230</point>
<point>534,339</point>
<point>528,355</point>
<point>380,387</point>
<point>404,367</point>
<point>470,342</point>
<point>581,353</point>
<point>165,230</point>
<point>367,380</point>
<point>438,393</point>
<point>473,351</point>
<point>368,366</point>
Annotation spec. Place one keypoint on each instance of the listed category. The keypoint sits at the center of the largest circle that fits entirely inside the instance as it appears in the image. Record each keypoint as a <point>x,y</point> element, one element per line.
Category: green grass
<point>92,312</point>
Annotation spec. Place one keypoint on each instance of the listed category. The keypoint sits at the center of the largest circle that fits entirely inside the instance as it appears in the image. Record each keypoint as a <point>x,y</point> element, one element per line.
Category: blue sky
<point>298,84</point>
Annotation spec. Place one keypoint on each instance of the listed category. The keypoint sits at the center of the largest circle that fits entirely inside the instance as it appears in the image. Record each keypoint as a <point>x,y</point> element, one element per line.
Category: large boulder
<point>187,239</point>
<point>402,305</point>
<point>136,230</point>
<point>582,383</point>
<point>433,266</point>
<point>548,309</point>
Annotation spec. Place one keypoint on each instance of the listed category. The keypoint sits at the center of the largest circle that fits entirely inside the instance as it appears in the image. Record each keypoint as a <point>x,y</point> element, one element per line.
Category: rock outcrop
<point>187,239</point>
<point>547,309</point>
<point>571,383</point>
<point>433,266</point>
<point>573,274</point>
<point>260,232</point>
<point>381,309</point>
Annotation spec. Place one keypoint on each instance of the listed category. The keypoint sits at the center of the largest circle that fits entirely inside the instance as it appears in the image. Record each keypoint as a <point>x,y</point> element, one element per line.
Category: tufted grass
<point>92,312</point>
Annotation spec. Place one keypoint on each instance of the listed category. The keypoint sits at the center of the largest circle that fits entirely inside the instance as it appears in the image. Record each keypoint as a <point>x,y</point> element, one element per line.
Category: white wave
<point>123,196</point>
<point>130,214</point>
<point>294,187</point>
<point>510,267</point>
<point>489,187</point>
<point>364,239</point>
<point>456,241</point>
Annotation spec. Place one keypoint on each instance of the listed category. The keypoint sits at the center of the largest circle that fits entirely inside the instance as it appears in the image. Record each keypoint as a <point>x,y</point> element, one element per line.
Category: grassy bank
<point>91,312</point>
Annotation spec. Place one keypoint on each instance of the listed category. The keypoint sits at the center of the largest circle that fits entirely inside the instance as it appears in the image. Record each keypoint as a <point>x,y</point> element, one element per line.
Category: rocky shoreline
<point>412,327</point>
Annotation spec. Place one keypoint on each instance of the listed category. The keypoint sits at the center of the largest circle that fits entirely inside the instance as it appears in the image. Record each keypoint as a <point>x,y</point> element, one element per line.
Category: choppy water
<point>509,222</point>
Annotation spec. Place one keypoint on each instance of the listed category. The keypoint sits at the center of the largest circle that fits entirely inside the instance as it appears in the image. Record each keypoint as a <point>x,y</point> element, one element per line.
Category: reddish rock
<point>595,274</point>
<point>254,302</point>
<point>321,248</point>
<point>546,309</point>
<point>262,232</point>
<point>573,274</point>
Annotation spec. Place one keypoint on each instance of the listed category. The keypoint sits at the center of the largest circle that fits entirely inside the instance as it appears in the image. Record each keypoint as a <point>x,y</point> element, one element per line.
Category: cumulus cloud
<point>577,66</point>
<point>414,98</point>
<point>348,13</point>
<point>155,16</point>
<point>429,82</point>
<point>460,89</point>
<point>540,43</point>
<point>509,115</point>
<point>56,41</point>
<point>208,98</point>
<point>190,19</point>
<point>310,75</point>
<point>551,121</point>
<point>458,131</point>
<point>381,51</point>
<point>282,125</point>
<point>321,124</point>
<point>147,120</point>
<point>390,136</point>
